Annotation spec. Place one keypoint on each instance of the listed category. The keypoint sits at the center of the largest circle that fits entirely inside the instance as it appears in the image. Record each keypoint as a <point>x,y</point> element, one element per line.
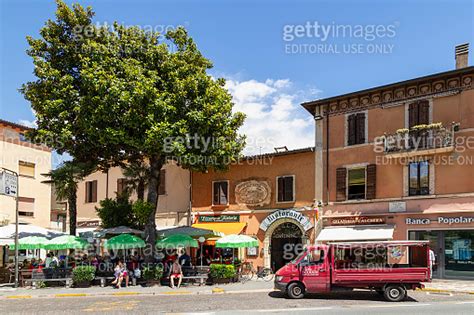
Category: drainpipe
<point>107,184</point>
<point>190,197</point>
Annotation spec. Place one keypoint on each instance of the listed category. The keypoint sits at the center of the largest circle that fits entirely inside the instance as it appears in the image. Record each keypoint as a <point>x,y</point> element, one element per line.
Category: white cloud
<point>27,123</point>
<point>274,115</point>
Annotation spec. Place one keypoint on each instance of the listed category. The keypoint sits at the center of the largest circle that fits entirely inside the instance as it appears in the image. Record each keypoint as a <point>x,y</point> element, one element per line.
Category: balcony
<point>420,140</point>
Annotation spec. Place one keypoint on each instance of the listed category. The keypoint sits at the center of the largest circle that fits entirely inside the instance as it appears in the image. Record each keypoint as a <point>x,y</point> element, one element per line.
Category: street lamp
<point>201,241</point>
<point>9,186</point>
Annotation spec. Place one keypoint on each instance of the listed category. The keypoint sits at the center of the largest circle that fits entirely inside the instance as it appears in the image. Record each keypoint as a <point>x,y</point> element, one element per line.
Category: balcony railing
<point>421,139</point>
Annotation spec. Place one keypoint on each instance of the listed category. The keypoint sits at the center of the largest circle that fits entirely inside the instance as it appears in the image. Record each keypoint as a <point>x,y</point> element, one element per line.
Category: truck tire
<point>295,290</point>
<point>394,293</point>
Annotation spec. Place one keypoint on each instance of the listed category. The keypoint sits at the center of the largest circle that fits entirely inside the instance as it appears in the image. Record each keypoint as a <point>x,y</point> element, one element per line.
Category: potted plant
<point>222,273</point>
<point>82,276</point>
<point>152,275</point>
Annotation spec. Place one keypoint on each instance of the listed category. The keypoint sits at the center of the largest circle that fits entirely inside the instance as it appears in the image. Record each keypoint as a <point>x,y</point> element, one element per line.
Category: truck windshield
<point>302,254</point>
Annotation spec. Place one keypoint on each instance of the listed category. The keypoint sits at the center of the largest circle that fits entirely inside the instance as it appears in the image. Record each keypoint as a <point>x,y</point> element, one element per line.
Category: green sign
<point>219,218</point>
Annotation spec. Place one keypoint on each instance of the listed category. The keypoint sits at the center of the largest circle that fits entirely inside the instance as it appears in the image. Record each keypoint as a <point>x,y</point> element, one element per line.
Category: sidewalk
<point>25,293</point>
<point>450,286</point>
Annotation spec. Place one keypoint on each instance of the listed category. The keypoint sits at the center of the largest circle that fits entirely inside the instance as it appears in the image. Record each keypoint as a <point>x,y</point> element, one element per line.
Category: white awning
<point>7,233</point>
<point>356,233</point>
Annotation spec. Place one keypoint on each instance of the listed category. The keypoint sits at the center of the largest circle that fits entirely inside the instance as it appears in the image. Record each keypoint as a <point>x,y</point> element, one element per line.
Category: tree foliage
<point>122,94</point>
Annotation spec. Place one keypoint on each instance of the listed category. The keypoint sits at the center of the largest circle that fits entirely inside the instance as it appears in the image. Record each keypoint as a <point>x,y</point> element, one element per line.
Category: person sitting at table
<point>176,272</point>
<point>185,259</point>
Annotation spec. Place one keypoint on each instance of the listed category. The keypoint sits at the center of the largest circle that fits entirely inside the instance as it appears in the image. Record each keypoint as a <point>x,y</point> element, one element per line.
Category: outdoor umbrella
<point>236,241</point>
<point>118,231</point>
<point>124,241</point>
<point>31,242</point>
<point>188,230</point>
<point>66,242</point>
<point>177,241</point>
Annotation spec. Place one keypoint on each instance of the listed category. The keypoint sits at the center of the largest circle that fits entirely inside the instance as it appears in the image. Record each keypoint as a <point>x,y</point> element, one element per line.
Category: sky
<point>274,54</point>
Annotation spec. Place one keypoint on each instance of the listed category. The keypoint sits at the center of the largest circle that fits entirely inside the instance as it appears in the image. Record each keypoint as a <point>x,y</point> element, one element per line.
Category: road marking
<point>125,293</point>
<point>175,293</point>
<point>19,297</point>
<point>290,309</point>
<point>394,305</point>
<point>70,294</point>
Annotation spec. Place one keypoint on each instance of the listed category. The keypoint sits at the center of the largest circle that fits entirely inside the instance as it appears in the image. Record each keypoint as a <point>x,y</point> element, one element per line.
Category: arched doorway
<point>284,244</point>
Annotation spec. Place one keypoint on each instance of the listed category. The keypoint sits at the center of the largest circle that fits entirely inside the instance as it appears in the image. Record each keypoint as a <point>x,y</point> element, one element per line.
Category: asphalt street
<point>244,303</point>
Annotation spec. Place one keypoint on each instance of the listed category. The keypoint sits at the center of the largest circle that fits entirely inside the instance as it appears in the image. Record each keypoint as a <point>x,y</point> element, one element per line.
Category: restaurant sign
<point>286,214</point>
<point>358,220</point>
<point>219,218</point>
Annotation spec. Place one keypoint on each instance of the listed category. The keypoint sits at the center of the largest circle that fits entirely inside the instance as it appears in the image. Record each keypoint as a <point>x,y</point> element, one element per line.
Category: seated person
<point>176,272</point>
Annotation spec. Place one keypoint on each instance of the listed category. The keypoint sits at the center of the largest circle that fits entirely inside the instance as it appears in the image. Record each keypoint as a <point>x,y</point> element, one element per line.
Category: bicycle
<point>248,272</point>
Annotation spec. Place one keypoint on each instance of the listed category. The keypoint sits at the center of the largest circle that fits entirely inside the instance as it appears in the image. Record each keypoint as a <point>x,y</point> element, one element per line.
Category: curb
<point>445,291</point>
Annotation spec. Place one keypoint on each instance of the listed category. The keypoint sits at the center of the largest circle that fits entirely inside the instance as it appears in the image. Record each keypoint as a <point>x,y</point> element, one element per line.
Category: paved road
<point>245,303</point>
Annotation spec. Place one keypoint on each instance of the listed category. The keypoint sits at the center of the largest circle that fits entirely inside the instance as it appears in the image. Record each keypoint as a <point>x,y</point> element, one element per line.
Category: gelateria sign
<point>440,220</point>
<point>286,214</point>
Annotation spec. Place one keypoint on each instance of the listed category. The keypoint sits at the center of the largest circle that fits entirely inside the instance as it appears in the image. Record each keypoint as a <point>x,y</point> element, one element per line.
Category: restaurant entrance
<point>285,243</point>
<point>454,251</point>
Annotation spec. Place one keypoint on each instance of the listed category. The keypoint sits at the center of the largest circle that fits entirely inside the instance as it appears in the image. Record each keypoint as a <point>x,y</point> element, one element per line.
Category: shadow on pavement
<point>354,295</point>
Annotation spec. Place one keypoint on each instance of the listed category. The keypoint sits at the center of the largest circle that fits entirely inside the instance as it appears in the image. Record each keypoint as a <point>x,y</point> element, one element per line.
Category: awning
<point>7,233</point>
<point>226,228</point>
<point>356,233</point>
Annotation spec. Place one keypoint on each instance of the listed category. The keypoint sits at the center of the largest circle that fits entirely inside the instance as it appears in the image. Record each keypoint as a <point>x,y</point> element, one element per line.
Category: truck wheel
<point>394,293</point>
<point>295,290</point>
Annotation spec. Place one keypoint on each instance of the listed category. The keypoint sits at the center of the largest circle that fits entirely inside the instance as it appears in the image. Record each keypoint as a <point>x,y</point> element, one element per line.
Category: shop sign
<point>88,224</point>
<point>253,193</point>
<point>219,218</point>
<point>286,214</point>
<point>358,220</point>
<point>440,220</point>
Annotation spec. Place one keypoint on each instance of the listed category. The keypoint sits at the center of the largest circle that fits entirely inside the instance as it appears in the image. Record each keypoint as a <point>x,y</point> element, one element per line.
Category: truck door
<point>314,270</point>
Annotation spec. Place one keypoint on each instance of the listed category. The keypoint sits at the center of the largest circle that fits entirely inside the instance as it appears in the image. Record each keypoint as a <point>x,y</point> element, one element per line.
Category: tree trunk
<point>156,163</point>
<point>141,190</point>
<point>72,201</point>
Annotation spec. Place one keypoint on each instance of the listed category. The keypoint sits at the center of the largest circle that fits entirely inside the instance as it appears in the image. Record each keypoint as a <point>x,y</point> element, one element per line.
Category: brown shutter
<point>412,115</point>
<point>360,128</point>
<point>162,187</point>
<point>86,199</point>
<point>424,112</point>
<point>371,181</point>
<point>351,126</point>
<point>288,188</point>
<point>281,189</point>
<point>94,191</point>
<point>215,190</point>
<point>341,174</point>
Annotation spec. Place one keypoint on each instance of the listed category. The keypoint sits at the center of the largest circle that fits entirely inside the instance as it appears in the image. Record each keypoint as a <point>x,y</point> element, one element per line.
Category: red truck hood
<point>286,270</point>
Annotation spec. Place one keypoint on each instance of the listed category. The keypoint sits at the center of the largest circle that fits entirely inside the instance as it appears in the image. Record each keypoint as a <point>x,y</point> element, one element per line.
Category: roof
<point>15,125</point>
<point>294,151</point>
<point>309,106</point>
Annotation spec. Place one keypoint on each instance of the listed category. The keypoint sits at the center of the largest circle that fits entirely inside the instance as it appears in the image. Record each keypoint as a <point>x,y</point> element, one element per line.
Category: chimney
<point>462,52</point>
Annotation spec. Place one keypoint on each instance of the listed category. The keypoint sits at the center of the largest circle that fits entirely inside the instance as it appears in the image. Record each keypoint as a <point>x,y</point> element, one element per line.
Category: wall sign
<point>253,193</point>
<point>87,224</point>
<point>358,220</point>
<point>219,218</point>
<point>440,220</point>
<point>397,206</point>
<point>286,214</point>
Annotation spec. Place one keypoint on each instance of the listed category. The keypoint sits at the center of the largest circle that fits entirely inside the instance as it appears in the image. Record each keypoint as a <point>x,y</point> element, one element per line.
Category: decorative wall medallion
<point>424,89</point>
<point>253,193</point>
<point>411,91</point>
<point>453,83</point>
<point>467,80</point>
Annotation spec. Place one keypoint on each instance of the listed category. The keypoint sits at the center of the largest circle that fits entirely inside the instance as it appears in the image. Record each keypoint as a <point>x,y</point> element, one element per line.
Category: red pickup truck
<point>389,267</point>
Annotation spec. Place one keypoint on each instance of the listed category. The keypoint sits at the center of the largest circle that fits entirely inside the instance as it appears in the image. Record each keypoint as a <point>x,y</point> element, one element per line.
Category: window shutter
<point>119,186</point>
<point>215,190</point>
<point>351,126</point>
<point>412,115</point>
<point>341,174</point>
<point>162,187</point>
<point>94,191</point>
<point>360,128</point>
<point>223,193</point>
<point>371,181</point>
<point>281,189</point>
<point>288,188</point>
<point>424,112</point>
<point>86,199</point>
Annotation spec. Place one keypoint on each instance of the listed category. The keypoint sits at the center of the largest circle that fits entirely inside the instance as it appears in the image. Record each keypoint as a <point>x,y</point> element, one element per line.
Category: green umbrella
<point>124,241</point>
<point>176,241</point>
<point>66,242</point>
<point>236,241</point>
<point>31,242</point>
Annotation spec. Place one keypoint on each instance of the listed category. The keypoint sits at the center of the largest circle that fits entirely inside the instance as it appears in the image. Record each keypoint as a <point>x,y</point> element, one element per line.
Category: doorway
<point>286,243</point>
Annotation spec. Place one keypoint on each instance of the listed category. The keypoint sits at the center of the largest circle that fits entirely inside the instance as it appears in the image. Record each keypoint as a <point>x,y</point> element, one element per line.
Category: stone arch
<point>268,238</point>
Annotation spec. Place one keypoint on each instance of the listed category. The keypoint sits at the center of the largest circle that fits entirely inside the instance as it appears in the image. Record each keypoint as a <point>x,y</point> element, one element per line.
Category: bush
<point>221,271</point>
<point>153,273</point>
<point>82,274</point>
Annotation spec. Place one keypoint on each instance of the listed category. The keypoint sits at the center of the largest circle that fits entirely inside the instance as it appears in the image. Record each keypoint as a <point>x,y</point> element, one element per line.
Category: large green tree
<point>121,94</point>
<point>65,179</point>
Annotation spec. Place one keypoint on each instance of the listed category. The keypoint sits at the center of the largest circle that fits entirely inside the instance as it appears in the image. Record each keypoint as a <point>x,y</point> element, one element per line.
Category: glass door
<point>435,238</point>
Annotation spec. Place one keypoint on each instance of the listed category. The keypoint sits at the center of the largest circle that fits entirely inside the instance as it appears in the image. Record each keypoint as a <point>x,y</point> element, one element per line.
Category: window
<point>285,188</point>
<point>26,206</point>
<point>220,192</point>
<point>419,183</point>
<point>91,191</point>
<point>26,169</point>
<point>418,113</point>
<point>356,129</point>
<point>121,185</point>
<point>162,187</point>
<point>356,183</point>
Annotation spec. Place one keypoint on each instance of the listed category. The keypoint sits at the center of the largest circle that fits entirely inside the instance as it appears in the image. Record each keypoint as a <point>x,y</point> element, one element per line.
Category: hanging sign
<point>286,214</point>
<point>8,184</point>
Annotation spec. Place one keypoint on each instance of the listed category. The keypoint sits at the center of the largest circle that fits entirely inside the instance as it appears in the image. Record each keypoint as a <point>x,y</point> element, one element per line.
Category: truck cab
<point>309,271</point>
